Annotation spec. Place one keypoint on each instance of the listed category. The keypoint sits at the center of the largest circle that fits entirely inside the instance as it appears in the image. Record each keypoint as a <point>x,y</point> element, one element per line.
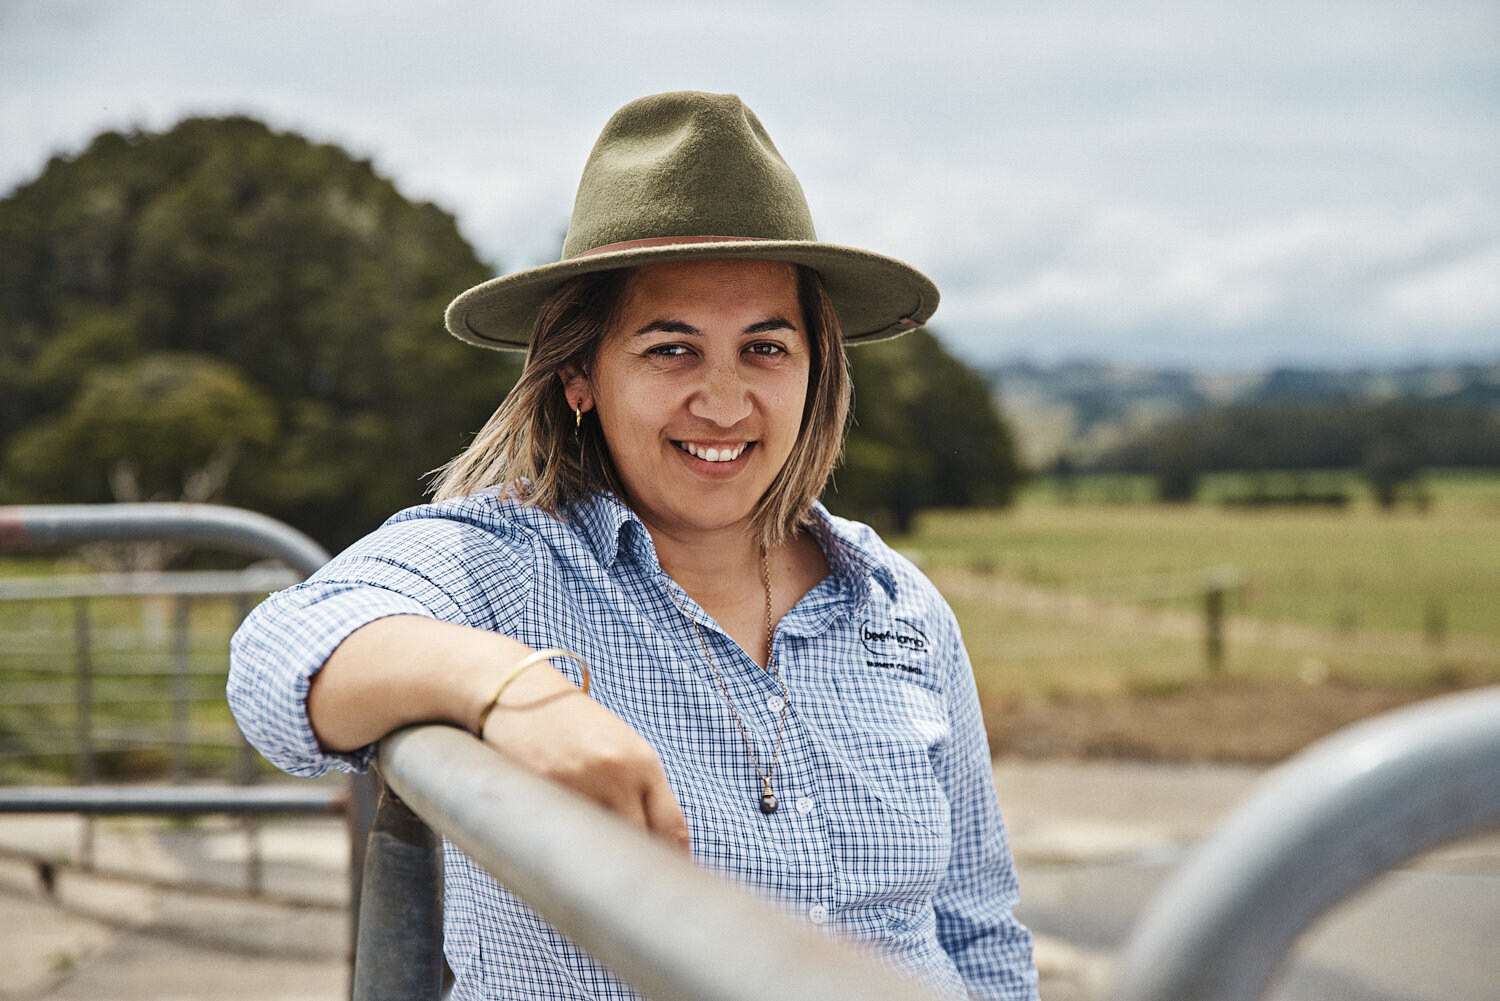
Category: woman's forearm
<point>406,669</point>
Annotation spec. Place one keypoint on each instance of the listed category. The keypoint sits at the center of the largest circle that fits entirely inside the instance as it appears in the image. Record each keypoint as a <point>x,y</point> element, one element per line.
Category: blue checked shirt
<point>888,829</point>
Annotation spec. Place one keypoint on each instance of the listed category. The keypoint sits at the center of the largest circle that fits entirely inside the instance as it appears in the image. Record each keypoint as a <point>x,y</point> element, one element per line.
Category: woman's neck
<point>712,567</point>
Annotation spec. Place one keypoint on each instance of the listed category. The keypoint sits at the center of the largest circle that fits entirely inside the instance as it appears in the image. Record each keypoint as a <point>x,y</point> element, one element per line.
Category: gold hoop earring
<point>577,418</point>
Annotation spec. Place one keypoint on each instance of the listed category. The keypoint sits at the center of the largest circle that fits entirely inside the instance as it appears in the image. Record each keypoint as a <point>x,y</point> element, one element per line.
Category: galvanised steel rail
<point>54,526</point>
<point>197,583</point>
<point>672,930</point>
<point>175,800</point>
<point>1347,810</point>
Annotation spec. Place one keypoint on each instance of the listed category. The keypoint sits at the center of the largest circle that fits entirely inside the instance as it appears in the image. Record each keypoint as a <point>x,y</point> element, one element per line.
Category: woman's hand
<point>407,669</point>
<point>547,725</point>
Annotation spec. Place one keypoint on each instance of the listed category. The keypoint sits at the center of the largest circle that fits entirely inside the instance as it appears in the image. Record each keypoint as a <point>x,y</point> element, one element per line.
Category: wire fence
<point>122,675</point>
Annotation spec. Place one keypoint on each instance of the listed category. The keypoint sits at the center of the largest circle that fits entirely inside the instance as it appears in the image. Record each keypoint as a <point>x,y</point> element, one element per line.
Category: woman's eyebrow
<point>774,323</point>
<point>688,330</point>
<point>669,327</point>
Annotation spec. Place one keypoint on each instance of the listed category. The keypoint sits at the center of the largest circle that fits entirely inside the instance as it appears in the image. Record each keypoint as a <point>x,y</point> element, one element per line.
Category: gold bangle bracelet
<point>522,666</point>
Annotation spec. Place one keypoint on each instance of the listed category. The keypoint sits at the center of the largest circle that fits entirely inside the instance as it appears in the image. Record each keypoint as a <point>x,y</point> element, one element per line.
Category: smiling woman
<point>641,512</point>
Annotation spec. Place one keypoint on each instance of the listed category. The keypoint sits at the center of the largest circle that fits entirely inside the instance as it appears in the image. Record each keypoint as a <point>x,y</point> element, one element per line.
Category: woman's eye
<point>668,350</point>
<point>765,348</point>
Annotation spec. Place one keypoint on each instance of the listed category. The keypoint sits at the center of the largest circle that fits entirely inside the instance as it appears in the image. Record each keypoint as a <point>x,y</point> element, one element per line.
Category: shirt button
<point>817,914</point>
<point>804,804</point>
<point>775,703</point>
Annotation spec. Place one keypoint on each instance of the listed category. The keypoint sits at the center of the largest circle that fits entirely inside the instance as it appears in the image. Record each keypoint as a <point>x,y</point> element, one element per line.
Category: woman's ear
<point>576,387</point>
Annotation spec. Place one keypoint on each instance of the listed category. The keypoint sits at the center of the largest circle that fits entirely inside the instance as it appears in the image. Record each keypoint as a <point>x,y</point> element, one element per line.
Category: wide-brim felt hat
<point>687,176</point>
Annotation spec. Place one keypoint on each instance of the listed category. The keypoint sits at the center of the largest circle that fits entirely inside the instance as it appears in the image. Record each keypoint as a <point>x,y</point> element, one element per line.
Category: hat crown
<point>686,164</point>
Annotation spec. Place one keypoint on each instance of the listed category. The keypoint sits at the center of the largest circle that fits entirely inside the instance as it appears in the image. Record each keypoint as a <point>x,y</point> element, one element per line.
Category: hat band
<point>665,241</point>
<point>905,322</point>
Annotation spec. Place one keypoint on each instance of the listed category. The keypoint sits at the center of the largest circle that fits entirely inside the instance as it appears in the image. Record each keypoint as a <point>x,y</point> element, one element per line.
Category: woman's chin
<point>686,517</point>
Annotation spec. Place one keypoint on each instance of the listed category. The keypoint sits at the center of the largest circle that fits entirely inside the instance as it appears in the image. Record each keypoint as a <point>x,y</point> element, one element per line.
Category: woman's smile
<point>713,453</point>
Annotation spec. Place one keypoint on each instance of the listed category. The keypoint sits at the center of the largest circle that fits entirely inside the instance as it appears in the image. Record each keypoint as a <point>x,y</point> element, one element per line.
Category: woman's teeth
<point>726,454</point>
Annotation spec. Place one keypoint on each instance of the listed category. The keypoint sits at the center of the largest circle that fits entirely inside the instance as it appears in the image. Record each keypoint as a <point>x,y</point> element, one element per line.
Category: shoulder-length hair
<point>534,447</point>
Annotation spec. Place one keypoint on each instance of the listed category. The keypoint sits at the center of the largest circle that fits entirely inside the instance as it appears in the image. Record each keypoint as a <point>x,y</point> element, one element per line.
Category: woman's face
<point>699,388</point>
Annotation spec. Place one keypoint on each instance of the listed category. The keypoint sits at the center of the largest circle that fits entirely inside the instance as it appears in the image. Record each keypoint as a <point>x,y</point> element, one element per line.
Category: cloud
<point>1153,179</point>
<point>1143,284</point>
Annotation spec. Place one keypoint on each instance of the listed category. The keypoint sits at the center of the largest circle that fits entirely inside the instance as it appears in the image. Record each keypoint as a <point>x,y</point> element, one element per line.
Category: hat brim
<point>876,297</point>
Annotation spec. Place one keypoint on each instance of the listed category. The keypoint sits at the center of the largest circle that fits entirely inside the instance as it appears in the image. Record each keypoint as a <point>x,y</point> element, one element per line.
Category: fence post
<point>83,662</point>
<point>1213,626</point>
<point>1216,586</point>
<point>181,694</point>
<point>399,956</point>
<point>245,775</point>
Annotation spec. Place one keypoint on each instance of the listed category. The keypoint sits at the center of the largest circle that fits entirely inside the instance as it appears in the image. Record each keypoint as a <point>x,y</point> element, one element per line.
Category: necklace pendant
<point>768,803</point>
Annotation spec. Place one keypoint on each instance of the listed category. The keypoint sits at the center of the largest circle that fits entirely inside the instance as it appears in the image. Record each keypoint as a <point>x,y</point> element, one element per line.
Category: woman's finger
<point>664,816</point>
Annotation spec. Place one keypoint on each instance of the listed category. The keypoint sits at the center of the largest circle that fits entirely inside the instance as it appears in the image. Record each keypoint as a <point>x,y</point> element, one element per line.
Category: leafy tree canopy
<point>927,433</point>
<point>226,301</point>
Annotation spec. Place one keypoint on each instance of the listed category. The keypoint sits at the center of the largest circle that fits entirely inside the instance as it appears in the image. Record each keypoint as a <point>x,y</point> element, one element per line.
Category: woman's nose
<point>724,397</point>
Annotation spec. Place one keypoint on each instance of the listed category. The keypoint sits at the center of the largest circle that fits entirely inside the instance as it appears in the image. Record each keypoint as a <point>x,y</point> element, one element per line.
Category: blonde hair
<point>529,445</point>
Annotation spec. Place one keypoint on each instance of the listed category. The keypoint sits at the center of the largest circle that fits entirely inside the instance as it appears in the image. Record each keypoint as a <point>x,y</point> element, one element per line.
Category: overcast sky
<point>1188,182</point>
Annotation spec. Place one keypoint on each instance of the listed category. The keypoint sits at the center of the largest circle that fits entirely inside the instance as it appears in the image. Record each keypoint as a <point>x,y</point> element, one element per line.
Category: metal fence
<point>1318,828</point>
<point>50,528</point>
<point>129,642</point>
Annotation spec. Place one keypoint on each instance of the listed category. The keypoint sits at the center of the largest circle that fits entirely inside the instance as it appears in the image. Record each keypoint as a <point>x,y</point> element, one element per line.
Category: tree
<point>166,427</point>
<point>926,433</point>
<point>313,287</point>
<point>1176,463</point>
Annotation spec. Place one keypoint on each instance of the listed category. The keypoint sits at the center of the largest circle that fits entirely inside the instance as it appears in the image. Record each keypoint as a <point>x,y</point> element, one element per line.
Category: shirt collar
<point>853,550</point>
<point>608,526</point>
<point>855,554</point>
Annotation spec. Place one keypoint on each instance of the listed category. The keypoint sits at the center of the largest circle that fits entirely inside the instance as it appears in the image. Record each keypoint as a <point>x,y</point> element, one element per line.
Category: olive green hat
<point>686,176</point>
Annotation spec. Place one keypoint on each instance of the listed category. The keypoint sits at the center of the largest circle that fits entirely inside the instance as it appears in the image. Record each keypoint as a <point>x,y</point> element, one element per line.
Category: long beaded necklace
<point>768,802</point>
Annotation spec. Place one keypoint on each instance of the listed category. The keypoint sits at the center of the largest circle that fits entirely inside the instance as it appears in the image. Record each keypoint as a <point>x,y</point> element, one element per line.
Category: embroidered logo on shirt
<point>894,645</point>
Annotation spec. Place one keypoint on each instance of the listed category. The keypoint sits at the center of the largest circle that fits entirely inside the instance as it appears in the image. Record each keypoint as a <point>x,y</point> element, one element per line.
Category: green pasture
<point>1410,596</point>
<point>134,656</point>
<point>1349,569</point>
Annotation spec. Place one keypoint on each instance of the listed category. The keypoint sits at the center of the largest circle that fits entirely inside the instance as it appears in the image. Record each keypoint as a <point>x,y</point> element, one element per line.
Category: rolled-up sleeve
<point>976,901</point>
<point>433,567</point>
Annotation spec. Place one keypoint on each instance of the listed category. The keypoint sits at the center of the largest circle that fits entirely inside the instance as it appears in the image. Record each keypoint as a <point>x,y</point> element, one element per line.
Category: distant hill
<point>1083,409</point>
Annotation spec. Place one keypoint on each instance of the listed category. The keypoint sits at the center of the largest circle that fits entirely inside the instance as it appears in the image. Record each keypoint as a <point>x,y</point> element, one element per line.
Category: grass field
<point>134,654</point>
<point>1434,571</point>
<point>1098,603</point>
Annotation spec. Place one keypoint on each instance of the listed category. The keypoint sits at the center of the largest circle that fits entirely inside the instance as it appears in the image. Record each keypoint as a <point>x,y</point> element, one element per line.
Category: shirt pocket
<point>890,726</point>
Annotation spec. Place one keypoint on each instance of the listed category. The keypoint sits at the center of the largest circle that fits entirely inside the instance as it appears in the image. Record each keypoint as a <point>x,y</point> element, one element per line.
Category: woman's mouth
<point>713,453</point>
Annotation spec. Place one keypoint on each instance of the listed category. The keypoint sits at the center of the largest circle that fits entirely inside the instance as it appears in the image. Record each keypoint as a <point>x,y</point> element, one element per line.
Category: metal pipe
<point>42,527</point>
<point>83,662</point>
<point>1350,808</point>
<point>181,692</point>
<point>48,526</point>
<point>251,580</point>
<point>244,759</point>
<point>399,956</point>
<point>364,798</point>
<point>673,931</point>
<point>179,800</point>
<point>83,667</point>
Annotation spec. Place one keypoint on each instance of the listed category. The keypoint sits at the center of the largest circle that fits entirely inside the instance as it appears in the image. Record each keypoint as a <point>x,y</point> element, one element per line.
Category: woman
<point>767,686</point>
